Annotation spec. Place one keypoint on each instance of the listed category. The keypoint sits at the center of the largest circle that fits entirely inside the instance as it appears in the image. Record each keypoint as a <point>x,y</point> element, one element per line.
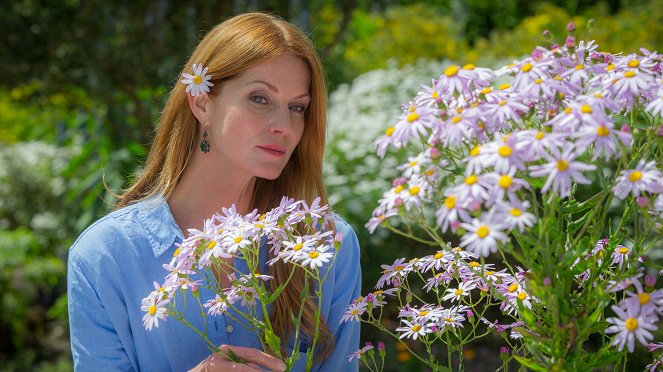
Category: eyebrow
<point>274,88</point>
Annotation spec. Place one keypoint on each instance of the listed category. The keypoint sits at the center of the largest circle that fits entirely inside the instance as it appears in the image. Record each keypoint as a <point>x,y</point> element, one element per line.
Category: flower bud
<point>650,280</point>
<point>659,131</point>
<point>547,281</point>
<point>570,42</point>
<point>570,27</point>
<point>625,128</point>
<point>642,201</point>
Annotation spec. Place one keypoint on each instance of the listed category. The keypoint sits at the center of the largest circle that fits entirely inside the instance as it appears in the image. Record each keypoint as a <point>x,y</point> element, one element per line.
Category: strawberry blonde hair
<point>230,48</point>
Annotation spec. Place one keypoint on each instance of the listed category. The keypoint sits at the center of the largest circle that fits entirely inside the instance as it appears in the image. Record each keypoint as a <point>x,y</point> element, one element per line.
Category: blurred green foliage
<point>83,84</point>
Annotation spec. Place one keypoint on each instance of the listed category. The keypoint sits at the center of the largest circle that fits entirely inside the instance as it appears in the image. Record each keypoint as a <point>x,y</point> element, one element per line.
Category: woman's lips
<point>273,150</point>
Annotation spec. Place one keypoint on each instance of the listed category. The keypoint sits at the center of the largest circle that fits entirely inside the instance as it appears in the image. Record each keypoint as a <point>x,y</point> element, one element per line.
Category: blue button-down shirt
<point>112,267</point>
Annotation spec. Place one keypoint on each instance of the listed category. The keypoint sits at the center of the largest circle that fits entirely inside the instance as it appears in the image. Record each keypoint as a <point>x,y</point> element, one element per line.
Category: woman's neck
<point>205,189</point>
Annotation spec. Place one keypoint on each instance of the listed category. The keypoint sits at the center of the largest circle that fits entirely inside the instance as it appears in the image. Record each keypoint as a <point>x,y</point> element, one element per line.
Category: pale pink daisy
<point>645,177</point>
<point>482,236</point>
<point>562,170</point>
<point>515,215</point>
<point>629,325</point>
<point>354,311</point>
<point>413,329</point>
<point>456,294</point>
<point>604,138</point>
<point>357,354</point>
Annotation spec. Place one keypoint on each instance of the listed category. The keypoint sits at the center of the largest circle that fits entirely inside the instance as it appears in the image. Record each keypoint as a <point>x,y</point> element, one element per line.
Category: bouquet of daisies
<point>538,188</point>
<point>294,232</point>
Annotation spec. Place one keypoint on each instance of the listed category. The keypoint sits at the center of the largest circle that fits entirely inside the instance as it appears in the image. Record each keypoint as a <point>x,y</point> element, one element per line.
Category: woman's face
<point>257,118</point>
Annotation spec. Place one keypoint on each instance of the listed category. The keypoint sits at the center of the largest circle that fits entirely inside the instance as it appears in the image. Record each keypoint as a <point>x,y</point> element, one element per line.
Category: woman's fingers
<point>255,356</point>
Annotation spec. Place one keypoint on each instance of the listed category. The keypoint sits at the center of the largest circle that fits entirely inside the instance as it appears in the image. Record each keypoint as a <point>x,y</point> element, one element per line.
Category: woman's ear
<point>199,108</point>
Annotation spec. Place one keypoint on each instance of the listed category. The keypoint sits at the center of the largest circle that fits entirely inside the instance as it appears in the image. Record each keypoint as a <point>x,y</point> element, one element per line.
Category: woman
<point>256,136</point>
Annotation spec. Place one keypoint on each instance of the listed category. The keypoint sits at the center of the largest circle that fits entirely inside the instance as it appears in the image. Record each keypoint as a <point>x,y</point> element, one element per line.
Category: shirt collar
<point>162,230</point>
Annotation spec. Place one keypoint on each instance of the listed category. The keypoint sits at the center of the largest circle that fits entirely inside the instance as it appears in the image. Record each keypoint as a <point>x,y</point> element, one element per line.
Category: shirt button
<point>229,329</point>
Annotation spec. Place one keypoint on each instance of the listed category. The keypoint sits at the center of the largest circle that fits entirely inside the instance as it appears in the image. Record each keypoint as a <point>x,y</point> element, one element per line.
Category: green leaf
<point>273,342</point>
<point>530,364</point>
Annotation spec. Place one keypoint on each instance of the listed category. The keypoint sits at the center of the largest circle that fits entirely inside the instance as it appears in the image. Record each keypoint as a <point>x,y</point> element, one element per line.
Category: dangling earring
<point>204,145</point>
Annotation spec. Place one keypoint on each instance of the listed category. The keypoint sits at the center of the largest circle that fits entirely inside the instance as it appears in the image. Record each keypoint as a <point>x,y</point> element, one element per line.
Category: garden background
<point>82,85</point>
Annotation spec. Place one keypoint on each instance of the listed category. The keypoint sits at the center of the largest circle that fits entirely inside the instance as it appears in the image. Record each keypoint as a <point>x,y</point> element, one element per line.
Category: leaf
<point>273,342</point>
<point>530,364</point>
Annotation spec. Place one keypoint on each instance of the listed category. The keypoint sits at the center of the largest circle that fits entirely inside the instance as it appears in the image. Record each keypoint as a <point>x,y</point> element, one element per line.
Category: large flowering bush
<point>294,232</point>
<point>538,186</point>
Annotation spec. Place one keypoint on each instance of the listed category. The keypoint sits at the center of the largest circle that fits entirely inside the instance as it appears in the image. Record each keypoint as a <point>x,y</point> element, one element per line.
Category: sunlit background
<point>82,84</point>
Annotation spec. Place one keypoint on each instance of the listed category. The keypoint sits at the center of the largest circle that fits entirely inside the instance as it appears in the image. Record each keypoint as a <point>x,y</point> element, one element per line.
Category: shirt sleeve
<point>95,344</point>
<point>346,288</point>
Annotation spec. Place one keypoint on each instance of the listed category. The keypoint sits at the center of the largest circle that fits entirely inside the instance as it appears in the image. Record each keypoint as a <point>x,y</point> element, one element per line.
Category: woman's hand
<point>250,360</point>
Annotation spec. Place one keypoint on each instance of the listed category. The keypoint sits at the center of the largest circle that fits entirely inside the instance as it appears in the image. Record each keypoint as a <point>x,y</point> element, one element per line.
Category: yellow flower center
<point>504,151</point>
<point>197,79</point>
<point>152,310</point>
<point>430,172</point>
<point>211,244</point>
<point>579,67</point>
<point>602,131</point>
<point>488,273</point>
<point>438,255</point>
<point>516,212</point>
<point>390,131</point>
<point>450,201</point>
<point>177,251</point>
<point>471,180</point>
<point>522,296</point>
<point>562,165</point>
<point>456,119</point>
<point>435,94</point>
<point>598,95</point>
<point>486,90</point>
<point>412,108</point>
<point>260,225</point>
<point>538,81</point>
<point>513,287</point>
<point>399,268</point>
<point>644,298</point>
<point>458,292</point>
<point>475,151</point>
<point>414,190</point>
<point>586,109</point>
<point>297,246</point>
<point>451,71</point>
<point>355,312</point>
<point>504,86</point>
<point>502,103</point>
<point>313,254</point>
<point>505,181</point>
<point>635,176</point>
<point>238,239</point>
<point>631,324</point>
<point>539,135</point>
<point>474,264</point>
<point>483,231</point>
<point>629,74</point>
<point>568,111</point>
<point>468,66</point>
<point>398,189</point>
<point>416,328</point>
<point>610,67</point>
<point>448,320</point>
<point>527,67</point>
<point>633,63</point>
<point>412,117</point>
<point>623,250</point>
<point>378,292</point>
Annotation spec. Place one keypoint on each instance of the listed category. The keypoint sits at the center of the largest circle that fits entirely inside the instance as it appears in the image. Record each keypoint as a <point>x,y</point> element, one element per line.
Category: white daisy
<point>155,309</point>
<point>199,82</point>
<point>316,257</point>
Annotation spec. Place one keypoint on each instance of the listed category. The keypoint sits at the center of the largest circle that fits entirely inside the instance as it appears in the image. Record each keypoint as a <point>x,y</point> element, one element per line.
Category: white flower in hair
<point>199,82</point>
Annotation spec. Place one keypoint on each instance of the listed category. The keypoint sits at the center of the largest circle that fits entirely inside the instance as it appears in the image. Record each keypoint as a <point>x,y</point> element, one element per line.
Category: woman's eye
<point>259,99</point>
<point>298,108</point>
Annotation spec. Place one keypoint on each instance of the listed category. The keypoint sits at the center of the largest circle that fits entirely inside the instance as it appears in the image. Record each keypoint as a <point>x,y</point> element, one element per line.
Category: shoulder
<point>123,232</point>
